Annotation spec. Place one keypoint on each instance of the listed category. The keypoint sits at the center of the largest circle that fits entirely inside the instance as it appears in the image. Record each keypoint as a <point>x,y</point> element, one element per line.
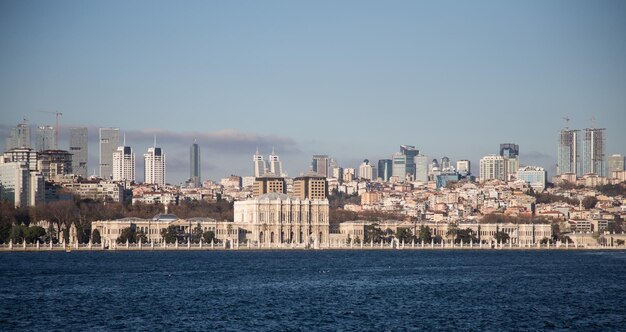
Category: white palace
<point>268,220</point>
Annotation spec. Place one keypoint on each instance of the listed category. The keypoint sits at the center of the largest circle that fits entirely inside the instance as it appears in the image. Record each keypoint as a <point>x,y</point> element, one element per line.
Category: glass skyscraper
<point>109,141</point>
<point>78,149</point>
<point>194,165</point>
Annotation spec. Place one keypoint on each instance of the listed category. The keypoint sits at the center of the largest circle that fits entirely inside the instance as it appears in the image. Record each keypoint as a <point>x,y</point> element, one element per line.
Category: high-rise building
<point>20,184</point>
<point>616,164</point>
<point>337,173</point>
<point>19,137</point>
<point>269,183</point>
<point>385,169</point>
<point>568,154</point>
<point>421,168</point>
<point>46,138</point>
<point>124,164</point>
<point>593,152</point>
<point>463,167</point>
<point>492,168</point>
<point>366,171</point>
<point>320,165</point>
<point>398,169</point>
<point>534,176</point>
<point>27,155</point>
<point>194,165</point>
<point>109,141</point>
<point>276,166</point>
<point>410,152</point>
<point>53,163</point>
<point>78,149</point>
<point>348,174</point>
<point>258,163</point>
<point>310,186</point>
<point>510,152</point>
<point>154,162</point>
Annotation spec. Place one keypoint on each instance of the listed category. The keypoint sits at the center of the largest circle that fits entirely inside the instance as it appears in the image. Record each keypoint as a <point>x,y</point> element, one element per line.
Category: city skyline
<point>451,78</point>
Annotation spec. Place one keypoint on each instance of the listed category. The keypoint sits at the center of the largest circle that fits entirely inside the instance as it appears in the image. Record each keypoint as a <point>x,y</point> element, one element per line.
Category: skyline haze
<point>352,80</point>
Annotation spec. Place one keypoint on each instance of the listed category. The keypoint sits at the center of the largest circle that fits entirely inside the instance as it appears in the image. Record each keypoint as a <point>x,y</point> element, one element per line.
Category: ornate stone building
<point>276,218</point>
<point>270,220</point>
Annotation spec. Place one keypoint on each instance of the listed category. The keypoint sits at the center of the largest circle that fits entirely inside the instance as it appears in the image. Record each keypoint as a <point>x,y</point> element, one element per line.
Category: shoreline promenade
<point>393,245</point>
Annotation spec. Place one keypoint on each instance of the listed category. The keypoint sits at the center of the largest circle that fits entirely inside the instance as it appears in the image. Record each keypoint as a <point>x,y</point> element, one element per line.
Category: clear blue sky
<point>352,79</point>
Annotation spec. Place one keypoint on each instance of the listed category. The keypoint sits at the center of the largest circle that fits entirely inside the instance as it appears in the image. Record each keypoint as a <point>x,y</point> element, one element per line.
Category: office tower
<point>194,165</point>
<point>124,164</point>
<point>20,184</point>
<point>78,149</point>
<point>593,151</point>
<point>276,166</point>
<point>269,183</point>
<point>398,169</point>
<point>445,163</point>
<point>568,155</point>
<point>384,169</point>
<point>310,186</point>
<point>421,168</point>
<point>534,176</point>
<point>320,165</point>
<point>19,137</point>
<point>46,138</point>
<point>109,141</point>
<point>492,168</point>
<point>463,167</point>
<point>154,162</point>
<point>410,152</point>
<point>366,171</point>
<point>258,164</point>
<point>616,164</point>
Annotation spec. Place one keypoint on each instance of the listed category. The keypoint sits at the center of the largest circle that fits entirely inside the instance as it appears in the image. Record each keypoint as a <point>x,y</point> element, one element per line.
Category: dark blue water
<point>314,290</point>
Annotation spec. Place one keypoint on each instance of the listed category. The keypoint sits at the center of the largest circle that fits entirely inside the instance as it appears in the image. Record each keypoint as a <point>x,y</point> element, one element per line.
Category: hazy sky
<point>352,79</point>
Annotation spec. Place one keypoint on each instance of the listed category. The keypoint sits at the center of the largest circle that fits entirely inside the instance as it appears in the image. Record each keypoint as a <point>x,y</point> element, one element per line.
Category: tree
<point>405,235</point>
<point>196,234</point>
<point>373,233</point>
<point>466,235</point>
<point>501,237</point>
<point>127,235</point>
<point>452,231</point>
<point>5,232</point>
<point>619,242</point>
<point>425,235</point>
<point>33,234</point>
<point>208,236</point>
<point>589,202</point>
<point>95,236</point>
<point>169,234</point>
<point>17,233</point>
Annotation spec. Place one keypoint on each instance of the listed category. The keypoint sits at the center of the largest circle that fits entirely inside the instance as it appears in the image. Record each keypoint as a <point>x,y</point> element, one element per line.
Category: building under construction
<point>593,152</point>
<point>568,155</point>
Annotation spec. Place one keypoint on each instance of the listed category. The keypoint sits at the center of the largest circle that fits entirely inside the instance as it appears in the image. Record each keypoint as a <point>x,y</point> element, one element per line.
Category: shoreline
<point>58,248</point>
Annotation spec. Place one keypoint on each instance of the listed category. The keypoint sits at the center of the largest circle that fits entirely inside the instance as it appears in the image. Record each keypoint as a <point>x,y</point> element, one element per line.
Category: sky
<point>351,79</point>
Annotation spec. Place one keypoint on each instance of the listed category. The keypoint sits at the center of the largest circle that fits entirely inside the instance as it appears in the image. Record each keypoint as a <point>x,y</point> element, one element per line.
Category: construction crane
<point>57,114</point>
<point>566,121</point>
